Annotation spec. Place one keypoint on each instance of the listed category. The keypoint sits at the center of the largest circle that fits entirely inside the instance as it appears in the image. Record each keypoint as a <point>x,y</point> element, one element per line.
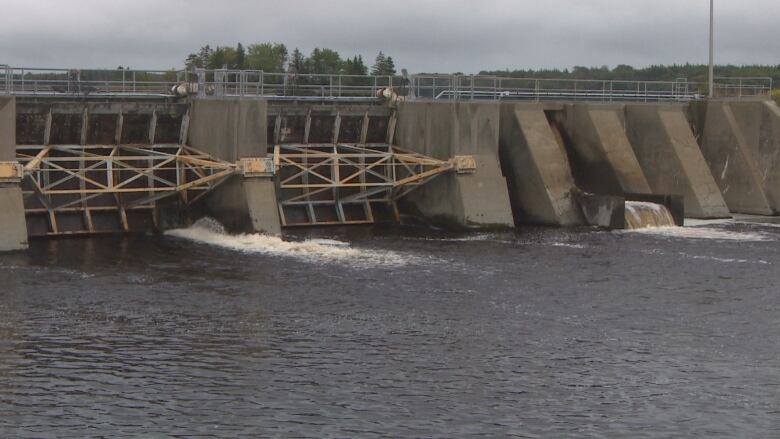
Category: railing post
<point>200,74</point>
<point>536,90</point>
<point>262,83</point>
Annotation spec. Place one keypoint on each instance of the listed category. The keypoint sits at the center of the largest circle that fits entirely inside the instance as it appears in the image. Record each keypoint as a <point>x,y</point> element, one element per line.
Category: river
<point>400,332</point>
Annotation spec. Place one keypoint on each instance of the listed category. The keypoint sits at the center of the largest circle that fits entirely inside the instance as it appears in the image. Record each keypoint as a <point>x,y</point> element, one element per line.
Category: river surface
<point>395,333</point>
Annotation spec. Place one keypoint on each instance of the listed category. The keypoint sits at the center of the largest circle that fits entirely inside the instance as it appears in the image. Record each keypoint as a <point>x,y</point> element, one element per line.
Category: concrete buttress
<point>233,129</point>
<point>671,159</point>
<point>598,137</point>
<point>13,226</point>
<point>541,186</point>
<point>442,131</point>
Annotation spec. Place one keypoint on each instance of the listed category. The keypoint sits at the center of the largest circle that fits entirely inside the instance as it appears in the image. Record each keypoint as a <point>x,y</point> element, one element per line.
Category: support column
<point>13,227</point>
<point>235,130</point>
<point>445,130</point>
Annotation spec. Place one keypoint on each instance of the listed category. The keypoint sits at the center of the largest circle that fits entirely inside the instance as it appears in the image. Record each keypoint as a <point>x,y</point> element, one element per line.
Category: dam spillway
<point>84,164</point>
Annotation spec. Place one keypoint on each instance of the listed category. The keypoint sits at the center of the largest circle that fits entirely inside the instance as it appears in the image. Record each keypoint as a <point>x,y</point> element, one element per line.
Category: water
<point>641,214</point>
<point>398,333</point>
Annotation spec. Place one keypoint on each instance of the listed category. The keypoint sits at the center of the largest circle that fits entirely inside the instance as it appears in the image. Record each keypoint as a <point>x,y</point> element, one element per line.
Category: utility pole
<point>712,49</point>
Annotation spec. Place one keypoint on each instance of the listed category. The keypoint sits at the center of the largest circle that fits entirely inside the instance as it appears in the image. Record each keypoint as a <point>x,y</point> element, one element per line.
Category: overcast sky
<point>421,35</point>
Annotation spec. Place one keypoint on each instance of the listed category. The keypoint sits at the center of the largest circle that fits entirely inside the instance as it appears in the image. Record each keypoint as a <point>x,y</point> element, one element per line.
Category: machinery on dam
<point>83,154</point>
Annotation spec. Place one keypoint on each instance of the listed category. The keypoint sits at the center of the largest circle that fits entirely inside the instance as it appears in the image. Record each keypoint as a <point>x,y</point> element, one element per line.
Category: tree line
<point>274,57</point>
<point>622,72</point>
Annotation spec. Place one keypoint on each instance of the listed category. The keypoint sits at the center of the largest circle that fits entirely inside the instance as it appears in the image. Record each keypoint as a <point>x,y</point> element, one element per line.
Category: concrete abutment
<point>13,227</point>
<point>232,130</point>
<point>442,131</point>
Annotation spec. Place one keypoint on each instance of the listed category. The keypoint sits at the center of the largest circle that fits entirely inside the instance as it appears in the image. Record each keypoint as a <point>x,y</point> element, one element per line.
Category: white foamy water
<point>311,250</point>
<point>701,233</point>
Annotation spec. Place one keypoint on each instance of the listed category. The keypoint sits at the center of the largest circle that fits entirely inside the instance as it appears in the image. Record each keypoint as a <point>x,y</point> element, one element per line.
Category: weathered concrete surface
<point>759,122</point>
<point>733,161</point>
<point>13,227</point>
<point>671,159</point>
<point>231,130</point>
<point>7,129</point>
<point>443,130</point>
<point>603,210</point>
<point>245,205</point>
<point>598,137</point>
<point>541,186</point>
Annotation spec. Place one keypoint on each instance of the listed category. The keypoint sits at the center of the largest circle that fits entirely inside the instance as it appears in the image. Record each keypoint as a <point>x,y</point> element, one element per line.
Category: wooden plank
<point>364,128</point>
<point>120,121</point>
<point>336,128</point>
<point>184,130</point>
<point>84,126</point>
<point>47,129</point>
<point>307,127</point>
<point>152,126</point>
<point>391,128</point>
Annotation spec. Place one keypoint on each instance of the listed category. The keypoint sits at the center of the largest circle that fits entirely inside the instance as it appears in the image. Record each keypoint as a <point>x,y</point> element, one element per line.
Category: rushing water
<point>549,333</point>
<point>641,214</point>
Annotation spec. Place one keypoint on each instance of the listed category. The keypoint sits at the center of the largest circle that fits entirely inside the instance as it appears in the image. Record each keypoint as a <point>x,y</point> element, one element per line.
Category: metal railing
<point>256,83</point>
<point>472,87</point>
<point>22,81</point>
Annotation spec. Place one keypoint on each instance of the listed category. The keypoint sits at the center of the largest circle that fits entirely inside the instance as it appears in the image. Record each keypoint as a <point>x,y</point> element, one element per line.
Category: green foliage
<point>268,57</point>
<point>355,66</point>
<point>324,61</point>
<point>272,57</point>
<point>691,72</point>
<point>383,65</point>
<point>776,96</point>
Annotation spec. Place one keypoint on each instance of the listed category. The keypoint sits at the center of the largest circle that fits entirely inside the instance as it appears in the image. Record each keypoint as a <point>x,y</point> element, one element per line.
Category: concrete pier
<point>233,130</point>
<point>541,186</point>
<point>13,228</point>
<point>598,137</point>
<point>730,149</point>
<point>444,130</point>
<point>671,160</point>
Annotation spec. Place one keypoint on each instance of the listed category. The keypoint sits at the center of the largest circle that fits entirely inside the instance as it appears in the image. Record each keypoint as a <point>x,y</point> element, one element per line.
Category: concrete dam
<point>83,164</point>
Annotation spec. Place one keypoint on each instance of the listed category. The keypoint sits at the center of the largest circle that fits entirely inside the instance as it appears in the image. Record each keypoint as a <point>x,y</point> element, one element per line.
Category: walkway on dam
<point>21,81</point>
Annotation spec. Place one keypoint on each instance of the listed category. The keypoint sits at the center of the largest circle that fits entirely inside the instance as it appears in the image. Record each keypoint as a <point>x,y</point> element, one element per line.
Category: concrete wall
<point>731,152</point>
<point>598,137</point>
<point>671,159</point>
<point>231,130</point>
<point>759,122</point>
<point>13,228</point>
<point>443,130</point>
<point>541,186</point>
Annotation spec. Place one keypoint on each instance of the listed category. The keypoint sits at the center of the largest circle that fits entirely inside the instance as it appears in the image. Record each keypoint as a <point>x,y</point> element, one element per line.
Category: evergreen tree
<point>297,62</point>
<point>380,64</point>
<point>240,57</point>
<point>355,66</point>
<point>389,66</point>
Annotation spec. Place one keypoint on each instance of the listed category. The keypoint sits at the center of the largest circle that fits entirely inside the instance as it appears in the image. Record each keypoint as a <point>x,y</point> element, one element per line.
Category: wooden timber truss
<point>86,189</point>
<point>339,183</point>
<point>75,188</point>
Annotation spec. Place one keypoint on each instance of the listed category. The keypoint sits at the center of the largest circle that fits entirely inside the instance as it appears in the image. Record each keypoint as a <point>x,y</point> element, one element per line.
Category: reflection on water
<point>368,333</point>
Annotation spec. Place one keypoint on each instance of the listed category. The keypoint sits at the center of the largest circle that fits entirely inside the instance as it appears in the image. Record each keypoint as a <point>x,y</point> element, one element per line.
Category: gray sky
<point>422,35</point>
